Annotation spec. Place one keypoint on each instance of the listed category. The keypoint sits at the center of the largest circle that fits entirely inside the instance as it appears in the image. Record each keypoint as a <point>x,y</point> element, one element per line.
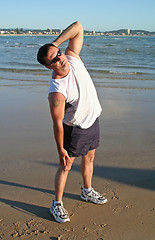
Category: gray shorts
<point>78,141</point>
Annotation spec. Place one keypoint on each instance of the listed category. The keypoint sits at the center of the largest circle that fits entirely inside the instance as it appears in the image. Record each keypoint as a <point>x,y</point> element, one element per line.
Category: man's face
<point>58,59</point>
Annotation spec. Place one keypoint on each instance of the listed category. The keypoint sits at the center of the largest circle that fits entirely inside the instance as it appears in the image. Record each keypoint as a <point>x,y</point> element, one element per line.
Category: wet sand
<point>124,169</point>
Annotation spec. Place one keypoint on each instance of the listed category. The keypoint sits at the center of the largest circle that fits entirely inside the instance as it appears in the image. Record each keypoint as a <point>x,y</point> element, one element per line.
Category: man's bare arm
<point>73,33</point>
<point>57,106</point>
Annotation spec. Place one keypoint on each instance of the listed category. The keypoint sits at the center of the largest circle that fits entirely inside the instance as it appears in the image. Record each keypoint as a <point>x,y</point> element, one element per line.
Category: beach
<point>124,168</point>
<point>123,72</point>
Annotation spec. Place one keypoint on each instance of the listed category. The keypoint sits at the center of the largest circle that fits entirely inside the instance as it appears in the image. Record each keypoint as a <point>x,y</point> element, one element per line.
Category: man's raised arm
<point>73,33</point>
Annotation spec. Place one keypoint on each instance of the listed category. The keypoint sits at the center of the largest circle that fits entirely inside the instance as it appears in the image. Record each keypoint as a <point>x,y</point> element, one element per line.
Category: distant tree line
<point>19,31</point>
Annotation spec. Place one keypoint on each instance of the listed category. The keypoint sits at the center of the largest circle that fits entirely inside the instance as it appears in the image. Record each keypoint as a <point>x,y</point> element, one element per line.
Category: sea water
<point>126,62</point>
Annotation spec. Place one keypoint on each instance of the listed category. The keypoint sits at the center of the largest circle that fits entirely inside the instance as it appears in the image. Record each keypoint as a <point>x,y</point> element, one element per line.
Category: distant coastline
<point>87,35</point>
<point>55,32</point>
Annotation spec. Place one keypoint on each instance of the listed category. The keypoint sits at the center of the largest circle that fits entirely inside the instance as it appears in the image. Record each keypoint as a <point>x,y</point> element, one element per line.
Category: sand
<point>124,169</point>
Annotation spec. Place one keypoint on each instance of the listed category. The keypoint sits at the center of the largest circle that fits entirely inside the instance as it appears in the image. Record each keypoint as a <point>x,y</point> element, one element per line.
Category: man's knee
<point>68,165</point>
<point>89,158</point>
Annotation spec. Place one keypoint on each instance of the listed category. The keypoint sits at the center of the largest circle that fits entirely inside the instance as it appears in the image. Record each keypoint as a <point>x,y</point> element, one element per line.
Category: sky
<point>99,15</point>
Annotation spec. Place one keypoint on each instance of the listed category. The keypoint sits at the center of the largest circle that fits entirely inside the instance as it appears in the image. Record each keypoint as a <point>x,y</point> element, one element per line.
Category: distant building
<point>49,31</point>
<point>129,31</point>
<point>93,32</point>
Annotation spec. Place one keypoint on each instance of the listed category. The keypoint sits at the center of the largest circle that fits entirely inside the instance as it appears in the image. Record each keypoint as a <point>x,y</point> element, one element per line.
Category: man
<point>75,110</point>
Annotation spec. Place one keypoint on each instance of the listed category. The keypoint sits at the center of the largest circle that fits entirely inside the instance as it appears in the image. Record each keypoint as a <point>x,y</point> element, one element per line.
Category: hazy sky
<point>100,15</point>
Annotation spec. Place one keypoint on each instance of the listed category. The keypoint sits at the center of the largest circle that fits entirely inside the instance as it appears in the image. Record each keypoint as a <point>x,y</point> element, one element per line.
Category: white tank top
<point>82,104</point>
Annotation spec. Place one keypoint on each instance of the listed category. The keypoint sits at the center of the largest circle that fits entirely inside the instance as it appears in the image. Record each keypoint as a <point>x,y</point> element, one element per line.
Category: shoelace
<point>61,209</point>
<point>94,193</point>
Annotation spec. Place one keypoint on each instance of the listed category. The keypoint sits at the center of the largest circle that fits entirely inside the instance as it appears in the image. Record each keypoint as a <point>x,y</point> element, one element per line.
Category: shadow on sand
<point>34,210</point>
<point>142,178</point>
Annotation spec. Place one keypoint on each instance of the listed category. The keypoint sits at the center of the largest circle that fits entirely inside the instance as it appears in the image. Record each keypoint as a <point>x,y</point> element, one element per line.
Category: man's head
<point>43,52</point>
<point>51,57</point>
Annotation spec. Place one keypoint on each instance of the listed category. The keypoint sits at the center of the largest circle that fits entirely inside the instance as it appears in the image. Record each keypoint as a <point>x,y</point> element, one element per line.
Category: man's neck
<point>60,74</point>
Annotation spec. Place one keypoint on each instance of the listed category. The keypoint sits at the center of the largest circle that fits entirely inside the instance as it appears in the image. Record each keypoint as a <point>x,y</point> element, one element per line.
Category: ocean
<point>113,61</point>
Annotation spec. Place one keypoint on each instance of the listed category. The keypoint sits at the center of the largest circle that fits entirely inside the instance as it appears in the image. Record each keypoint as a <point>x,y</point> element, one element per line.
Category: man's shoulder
<point>74,61</point>
<point>70,53</point>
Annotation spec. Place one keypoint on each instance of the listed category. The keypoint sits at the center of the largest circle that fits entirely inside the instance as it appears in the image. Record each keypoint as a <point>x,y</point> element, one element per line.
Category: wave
<point>22,85</point>
<point>22,70</point>
<point>12,46</point>
<point>124,87</point>
<point>24,80</point>
<point>136,67</point>
<point>22,45</point>
<point>117,72</point>
<point>110,77</point>
<point>109,45</point>
<point>131,50</point>
<point>15,63</point>
<point>95,73</point>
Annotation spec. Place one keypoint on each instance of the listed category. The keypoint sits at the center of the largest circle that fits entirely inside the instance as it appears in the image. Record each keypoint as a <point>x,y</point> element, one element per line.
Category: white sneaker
<point>93,196</point>
<point>59,212</point>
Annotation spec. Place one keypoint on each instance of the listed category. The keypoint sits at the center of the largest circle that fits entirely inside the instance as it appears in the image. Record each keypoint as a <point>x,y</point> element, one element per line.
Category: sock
<point>56,202</point>
<point>87,190</point>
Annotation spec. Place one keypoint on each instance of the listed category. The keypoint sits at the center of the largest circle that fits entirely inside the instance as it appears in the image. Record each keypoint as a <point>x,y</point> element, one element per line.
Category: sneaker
<point>93,196</point>
<point>59,212</point>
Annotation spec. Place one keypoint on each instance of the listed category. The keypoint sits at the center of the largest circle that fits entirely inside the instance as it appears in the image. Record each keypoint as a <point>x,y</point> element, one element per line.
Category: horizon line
<point>103,31</point>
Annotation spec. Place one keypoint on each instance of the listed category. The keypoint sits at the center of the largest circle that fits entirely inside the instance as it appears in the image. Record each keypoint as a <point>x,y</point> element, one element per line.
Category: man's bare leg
<point>87,166</point>
<point>61,178</point>
<point>88,193</point>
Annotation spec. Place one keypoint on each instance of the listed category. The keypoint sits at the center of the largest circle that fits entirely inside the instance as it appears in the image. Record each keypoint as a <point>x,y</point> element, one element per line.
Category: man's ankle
<point>87,190</point>
<point>56,202</point>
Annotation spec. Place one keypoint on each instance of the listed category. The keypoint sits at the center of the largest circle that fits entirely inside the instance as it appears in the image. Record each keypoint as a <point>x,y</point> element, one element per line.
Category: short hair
<point>42,53</point>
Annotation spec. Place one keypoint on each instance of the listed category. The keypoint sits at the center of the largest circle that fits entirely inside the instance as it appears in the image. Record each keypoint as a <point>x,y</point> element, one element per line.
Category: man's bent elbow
<point>79,25</point>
